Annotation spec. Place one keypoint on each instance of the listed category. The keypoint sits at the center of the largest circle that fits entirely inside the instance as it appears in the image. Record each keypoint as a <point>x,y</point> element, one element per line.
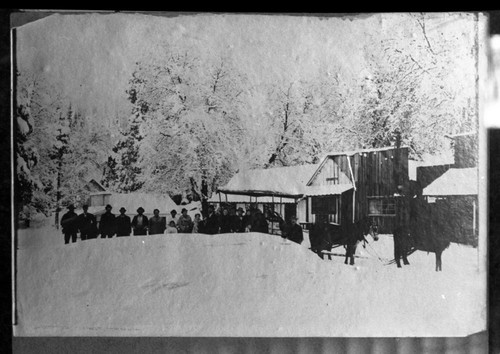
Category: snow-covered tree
<point>122,171</point>
<point>186,121</point>
<point>413,89</point>
<point>26,153</point>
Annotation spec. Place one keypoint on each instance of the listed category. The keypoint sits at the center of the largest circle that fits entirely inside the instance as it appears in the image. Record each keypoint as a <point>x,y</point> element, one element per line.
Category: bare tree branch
<point>422,26</point>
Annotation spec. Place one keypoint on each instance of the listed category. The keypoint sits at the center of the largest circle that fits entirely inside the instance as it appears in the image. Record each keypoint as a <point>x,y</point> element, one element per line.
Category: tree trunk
<point>194,190</point>
<point>204,197</point>
<point>58,192</point>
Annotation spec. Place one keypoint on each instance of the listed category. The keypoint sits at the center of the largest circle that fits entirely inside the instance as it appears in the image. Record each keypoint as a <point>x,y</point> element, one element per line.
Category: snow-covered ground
<point>239,285</point>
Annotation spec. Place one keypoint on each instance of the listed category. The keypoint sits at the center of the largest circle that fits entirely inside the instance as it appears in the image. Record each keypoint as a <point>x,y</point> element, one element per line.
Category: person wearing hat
<point>157,223</point>
<point>185,223</point>
<point>172,217</point>
<point>87,224</point>
<point>140,223</point>
<point>259,222</point>
<point>107,223</point>
<point>293,231</point>
<point>69,223</point>
<point>211,222</point>
<point>239,221</point>
<point>226,222</point>
<point>122,223</point>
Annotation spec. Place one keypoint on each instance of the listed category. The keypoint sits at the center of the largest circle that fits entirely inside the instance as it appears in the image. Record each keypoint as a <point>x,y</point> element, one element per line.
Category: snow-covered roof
<point>280,181</point>
<point>335,189</point>
<point>237,198</point>
<point>132,201</point>
<point>446,158</point>
<point>455,181</point>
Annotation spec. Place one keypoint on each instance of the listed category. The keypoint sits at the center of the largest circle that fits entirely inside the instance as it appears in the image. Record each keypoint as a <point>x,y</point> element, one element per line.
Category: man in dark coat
<point>211,223</point>
<point>259,222</point>
<point>140,223</point>
<point>69,223</point>
<point>107,223</point>
<point>226,222</point>
<point>239,221</point>
<point>157,224</point>
<point>87,224</point>
<point>122,224</point>
<point>294,231</point>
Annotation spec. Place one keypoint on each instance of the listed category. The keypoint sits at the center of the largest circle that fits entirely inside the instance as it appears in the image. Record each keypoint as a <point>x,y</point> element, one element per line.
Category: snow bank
<point>238,285</point>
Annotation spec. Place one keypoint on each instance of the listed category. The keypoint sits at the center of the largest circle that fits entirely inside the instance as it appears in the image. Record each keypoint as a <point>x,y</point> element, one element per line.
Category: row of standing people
<point>122,225</point>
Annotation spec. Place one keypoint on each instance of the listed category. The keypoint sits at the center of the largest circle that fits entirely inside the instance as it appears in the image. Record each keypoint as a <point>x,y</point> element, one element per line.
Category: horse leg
<point>404,246</point>
<point>397,251</point>
<point>352,252</point>
<point>438,261</point>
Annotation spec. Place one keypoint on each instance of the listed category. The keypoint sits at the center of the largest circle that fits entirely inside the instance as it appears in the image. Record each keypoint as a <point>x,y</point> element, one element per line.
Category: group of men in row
<point>122,225</point>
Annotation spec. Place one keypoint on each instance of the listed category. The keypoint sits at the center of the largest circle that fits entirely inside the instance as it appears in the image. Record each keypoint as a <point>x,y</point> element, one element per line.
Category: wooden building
<point>351,186</point>
<point>344,188</point>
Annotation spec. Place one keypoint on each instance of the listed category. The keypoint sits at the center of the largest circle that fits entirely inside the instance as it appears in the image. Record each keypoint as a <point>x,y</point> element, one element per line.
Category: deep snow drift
<point>239,285</point>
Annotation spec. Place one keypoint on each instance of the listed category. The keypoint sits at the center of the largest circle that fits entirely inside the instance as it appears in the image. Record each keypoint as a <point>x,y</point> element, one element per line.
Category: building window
<point>326,208</point>
<point>381,206</point>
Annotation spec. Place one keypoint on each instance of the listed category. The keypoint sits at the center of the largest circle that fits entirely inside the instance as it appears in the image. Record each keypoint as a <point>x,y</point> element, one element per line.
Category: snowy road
<point>239,285</point>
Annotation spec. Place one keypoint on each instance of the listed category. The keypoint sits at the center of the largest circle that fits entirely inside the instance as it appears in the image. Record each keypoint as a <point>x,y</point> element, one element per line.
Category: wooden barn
<point>350,186</point>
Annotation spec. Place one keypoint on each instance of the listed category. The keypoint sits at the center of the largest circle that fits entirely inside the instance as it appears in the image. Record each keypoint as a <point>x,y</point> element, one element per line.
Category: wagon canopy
<point>455,181</point>
<point>280,181</point>
<point>246,199</point>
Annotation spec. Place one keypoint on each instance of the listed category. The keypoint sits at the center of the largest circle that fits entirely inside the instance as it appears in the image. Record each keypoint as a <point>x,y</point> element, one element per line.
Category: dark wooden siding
<point>428,174</point>
<point>376,173</point>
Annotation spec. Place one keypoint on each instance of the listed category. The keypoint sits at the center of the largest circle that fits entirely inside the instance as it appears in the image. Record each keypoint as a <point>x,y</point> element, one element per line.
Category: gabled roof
<point>348,153</point>
<point>280,181</point>
<point>455,181</point>
<point>94,182</point>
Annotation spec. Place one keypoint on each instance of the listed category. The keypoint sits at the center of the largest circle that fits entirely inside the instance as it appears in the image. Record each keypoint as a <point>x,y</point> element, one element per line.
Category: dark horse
<point>325,236</point>
<point>430,231</point>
